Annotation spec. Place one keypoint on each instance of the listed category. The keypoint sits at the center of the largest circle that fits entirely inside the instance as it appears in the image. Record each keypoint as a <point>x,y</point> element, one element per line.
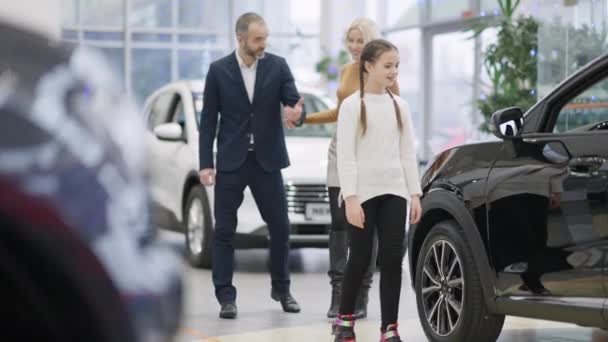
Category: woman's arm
<point>327,116</point>
<point>330,115</point>
<point>409,161</point>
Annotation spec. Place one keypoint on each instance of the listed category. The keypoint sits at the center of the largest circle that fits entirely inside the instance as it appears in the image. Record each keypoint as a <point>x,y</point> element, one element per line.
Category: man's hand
<point>207,176</point>
<point>289,124</point>
<point>293,114</point>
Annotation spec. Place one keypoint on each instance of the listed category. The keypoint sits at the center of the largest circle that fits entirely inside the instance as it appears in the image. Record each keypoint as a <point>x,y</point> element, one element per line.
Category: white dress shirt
<point>248,73</point>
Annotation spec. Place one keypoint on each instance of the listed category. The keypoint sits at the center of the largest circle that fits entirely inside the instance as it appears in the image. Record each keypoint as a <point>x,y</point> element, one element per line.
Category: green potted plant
<point>510,63</point>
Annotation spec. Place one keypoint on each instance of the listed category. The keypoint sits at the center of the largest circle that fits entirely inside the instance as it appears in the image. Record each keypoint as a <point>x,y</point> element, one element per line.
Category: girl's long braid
<point>363,115</point>
<point>397,110</point>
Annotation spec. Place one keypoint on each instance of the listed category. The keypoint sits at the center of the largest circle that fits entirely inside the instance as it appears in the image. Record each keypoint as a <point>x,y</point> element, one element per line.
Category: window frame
<point>556,105</point>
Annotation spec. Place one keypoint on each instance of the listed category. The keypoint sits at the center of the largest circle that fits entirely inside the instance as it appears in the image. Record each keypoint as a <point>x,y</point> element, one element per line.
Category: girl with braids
<point>378,174</point>
<point>360,32</point>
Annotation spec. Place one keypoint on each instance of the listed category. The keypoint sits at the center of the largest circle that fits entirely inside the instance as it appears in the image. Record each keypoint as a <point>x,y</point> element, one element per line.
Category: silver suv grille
<point>298,195</point>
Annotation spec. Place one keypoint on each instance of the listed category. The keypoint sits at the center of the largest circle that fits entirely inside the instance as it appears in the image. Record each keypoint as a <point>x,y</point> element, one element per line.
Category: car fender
<point>440,205</point>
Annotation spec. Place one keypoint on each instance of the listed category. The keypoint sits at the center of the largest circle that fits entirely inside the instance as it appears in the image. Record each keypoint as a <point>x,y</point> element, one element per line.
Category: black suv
<point>519,226</point>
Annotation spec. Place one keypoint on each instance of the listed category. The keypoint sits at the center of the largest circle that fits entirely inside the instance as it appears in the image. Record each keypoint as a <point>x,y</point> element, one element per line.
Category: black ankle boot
<point>344,329</point>
<point>334,306</point>
<point>338,250</point>
<point>361,303</point>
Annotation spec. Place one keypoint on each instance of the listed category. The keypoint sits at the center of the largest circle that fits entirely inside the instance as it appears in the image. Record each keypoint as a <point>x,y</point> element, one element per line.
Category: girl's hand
<point>415,210</point>
<point>555,200</point>
<point>354,212</point>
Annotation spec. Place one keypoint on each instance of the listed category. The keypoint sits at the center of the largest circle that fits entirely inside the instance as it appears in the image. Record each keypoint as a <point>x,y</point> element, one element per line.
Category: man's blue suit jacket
<point>225,97</point>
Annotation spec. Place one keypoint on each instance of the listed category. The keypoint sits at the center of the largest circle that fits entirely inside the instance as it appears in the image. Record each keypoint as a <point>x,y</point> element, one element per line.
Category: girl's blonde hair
<point>368,28</point>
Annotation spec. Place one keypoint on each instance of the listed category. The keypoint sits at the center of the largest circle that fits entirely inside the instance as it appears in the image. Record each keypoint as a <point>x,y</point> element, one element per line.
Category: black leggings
<point>387,214</point>
<point>339,248</point>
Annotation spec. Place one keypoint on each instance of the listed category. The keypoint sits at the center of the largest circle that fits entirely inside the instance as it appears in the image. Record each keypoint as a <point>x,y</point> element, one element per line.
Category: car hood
<point>308,157</point>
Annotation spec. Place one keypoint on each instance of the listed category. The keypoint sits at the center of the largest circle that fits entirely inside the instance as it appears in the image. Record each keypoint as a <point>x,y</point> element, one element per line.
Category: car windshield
<point>312,104</point>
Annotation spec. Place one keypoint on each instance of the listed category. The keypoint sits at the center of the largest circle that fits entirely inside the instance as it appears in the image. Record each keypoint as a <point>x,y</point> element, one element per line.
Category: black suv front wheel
<point>449,296</point>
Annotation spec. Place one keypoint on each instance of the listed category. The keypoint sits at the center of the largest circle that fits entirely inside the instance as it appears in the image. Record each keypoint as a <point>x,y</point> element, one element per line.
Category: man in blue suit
<point>246,89</point>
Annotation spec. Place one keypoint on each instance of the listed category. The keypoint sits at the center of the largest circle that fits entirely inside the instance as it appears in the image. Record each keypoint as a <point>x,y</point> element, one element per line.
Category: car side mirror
<point>507,123</point>
<point>171,131</point>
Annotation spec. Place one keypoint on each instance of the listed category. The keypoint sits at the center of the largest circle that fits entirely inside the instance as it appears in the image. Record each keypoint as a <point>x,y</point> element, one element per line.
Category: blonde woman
<point>359,33</point>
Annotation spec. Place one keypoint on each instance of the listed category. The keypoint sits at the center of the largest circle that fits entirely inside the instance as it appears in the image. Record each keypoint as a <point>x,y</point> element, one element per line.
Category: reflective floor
<point>261,319</point>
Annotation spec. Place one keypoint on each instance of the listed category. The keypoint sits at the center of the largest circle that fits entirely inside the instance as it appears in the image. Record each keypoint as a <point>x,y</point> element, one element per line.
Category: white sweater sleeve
<point>347,141</point>
<point>409,161</point>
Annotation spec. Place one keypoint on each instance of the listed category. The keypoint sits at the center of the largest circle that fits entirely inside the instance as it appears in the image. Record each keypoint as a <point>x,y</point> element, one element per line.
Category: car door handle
<point>585,166</point>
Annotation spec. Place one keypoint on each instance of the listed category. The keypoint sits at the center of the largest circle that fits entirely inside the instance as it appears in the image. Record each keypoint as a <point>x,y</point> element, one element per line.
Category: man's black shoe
<point>228,311</point>
<point>288,303</point>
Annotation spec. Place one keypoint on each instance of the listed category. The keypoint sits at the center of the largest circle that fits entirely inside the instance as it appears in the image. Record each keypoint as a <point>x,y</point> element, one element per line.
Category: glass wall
<point>571,34</point>
<point>444,76</point>
<point>443,10</point>
<point>204,15</point>
<point>100,13</point>
<point>152,42</point>
<point>452,90</point>
<point>403,13</point>
<point>70,12</point>
<point>151,14</point>
<point>408,42</point>
<point>440,67</point>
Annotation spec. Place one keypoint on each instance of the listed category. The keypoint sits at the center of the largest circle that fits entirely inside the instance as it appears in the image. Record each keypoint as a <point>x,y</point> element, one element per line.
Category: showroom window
<point>101,13</point>
<point>569,37</point>
<point>193,64</point>
<point>165,40</point>
<point>152,42</point>
<point>70,13</point>
<point>443,10</point>
<point>151,13</point>
<point>452,90</point>
<point>403,13</point>
<point>408,43</point>
<point>203,14</point>
<point>150,70</point>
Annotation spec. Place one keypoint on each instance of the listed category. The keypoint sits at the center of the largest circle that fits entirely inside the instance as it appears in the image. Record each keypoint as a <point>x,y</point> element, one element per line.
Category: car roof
<point>198,86</point>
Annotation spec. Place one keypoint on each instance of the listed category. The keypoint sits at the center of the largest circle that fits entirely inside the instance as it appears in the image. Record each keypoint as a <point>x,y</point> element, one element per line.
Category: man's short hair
<point>243,22</point>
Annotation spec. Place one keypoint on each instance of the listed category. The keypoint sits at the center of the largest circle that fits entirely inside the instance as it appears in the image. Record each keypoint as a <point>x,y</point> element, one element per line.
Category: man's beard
<point>254,54</point>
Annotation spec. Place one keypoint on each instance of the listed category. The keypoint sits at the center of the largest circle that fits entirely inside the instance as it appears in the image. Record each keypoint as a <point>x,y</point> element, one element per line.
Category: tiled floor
<point>261,319</point>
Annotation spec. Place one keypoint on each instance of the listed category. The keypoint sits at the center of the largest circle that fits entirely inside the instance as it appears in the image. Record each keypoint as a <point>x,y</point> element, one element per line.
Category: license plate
<point>318,211</point>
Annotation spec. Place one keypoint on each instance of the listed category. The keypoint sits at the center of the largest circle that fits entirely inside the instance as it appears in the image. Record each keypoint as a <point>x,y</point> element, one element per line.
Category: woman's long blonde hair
<point>368,28</point>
